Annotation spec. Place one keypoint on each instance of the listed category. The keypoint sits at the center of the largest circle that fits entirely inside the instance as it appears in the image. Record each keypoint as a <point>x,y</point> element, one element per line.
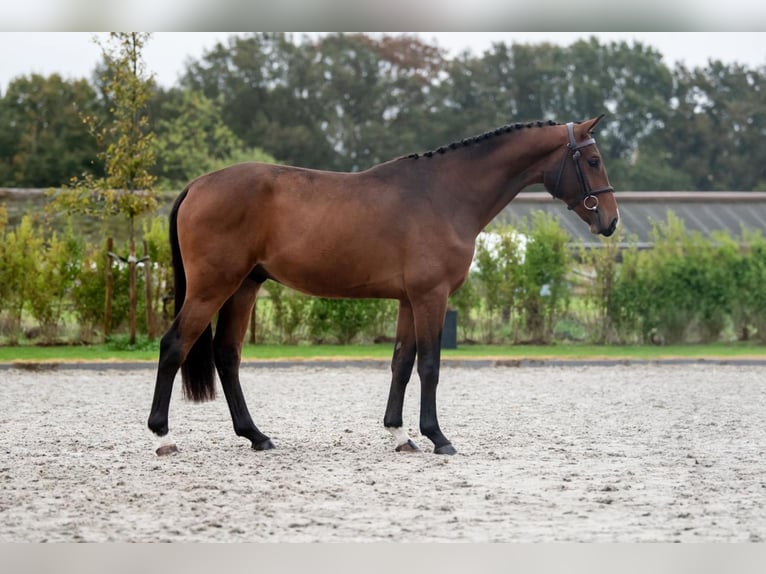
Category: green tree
<point>128,148</point>
<point>266,87</point>
<point>44,141</point>
<point>191,139</point>
<point>718,122</point>
<point>342,101</point>
<point>377,95</point>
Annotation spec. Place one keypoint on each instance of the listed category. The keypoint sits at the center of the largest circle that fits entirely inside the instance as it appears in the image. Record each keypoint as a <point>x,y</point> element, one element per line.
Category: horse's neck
<point>484,184</point>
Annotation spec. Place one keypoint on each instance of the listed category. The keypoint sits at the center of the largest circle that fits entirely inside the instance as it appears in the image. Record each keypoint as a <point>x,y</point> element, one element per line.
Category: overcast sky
<point>74,54</point>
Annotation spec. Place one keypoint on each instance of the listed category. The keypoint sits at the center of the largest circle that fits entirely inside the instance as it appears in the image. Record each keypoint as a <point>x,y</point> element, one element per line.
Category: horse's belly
<point>321,285</point>
<point>338,278</point>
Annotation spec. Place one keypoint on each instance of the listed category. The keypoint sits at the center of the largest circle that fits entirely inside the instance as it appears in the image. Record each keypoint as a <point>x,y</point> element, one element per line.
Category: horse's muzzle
<point>607,231</point>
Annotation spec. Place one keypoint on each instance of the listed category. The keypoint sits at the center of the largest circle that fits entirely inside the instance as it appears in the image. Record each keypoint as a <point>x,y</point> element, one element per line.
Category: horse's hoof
<point>445,449</point>
<point>166,449</point>
<point>408,446</point>
<point>265,445</point>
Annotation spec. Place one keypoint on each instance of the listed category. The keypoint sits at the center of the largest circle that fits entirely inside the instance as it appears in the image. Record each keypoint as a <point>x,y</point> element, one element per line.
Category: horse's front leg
<point>429,312</point>
<point>401,370</point>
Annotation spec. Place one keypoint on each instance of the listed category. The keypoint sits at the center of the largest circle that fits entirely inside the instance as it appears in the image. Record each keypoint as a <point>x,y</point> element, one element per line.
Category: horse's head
<point>578,177</point>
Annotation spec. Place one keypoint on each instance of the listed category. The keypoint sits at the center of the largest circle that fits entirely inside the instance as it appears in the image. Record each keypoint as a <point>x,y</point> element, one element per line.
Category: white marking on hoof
<point>400,435</point>
<point>164,445</point>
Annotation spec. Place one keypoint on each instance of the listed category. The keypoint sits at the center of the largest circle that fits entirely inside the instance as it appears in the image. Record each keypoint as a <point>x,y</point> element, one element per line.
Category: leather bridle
<point>589,196</point>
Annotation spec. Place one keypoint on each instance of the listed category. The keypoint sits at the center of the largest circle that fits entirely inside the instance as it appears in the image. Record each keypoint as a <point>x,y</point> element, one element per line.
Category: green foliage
<point>600,295</point>
<point>19,264</point>
<point>545,289</point>
<point>126,143</point>
<point>343,320</point>
<point>628,298</point>
<point>346,101</point>
<point>156,233</point>
<point>466,301</point>
<point>56,276</point>
<point>192,139</point>
<point>521,273</point>
<point>645,172</point>
<point>290,309</point>
<point>499,277</point>
<point>241,156</point>
<point>129,144</point>
<point>684,289</point>
<point>749,302</point>
<point>297,317</point>
<point>525,287</point>
<point>88,295</point>
<point>122,343</point>
<point>689,283</point>
<point>44,141</point>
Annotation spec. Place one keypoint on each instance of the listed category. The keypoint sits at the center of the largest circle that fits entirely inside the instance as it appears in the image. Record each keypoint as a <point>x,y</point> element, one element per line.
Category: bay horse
<point>404,229</point>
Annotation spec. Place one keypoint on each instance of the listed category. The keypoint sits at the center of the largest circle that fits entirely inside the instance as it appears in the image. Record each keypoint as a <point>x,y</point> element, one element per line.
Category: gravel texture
<point>576,453</point>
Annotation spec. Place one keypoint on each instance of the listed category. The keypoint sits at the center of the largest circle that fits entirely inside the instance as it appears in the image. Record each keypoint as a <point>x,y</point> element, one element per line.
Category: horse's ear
<point>592,123</point>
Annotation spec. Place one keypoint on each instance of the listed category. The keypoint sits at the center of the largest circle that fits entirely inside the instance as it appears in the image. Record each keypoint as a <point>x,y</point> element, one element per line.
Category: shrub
<point>465,301</point>
<point>20,261</point>
<point>544,293</point>
<point>599,297</point>
<point>57,273</point>
<point>749,304</point>
<point>630,299</point>
<point>156,234</point>
<point>499,277</point>
<point>690,280</point>
<point>289,311</point>
<point>343,320</point>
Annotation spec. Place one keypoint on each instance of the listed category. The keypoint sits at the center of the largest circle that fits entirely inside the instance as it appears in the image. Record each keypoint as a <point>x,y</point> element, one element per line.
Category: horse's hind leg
<point>187,327</point>
<point>233,319</point>
<point>401,370</point>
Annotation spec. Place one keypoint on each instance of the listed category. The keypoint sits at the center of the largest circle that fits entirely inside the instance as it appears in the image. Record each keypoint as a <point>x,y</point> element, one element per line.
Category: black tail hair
<point>198,369</point>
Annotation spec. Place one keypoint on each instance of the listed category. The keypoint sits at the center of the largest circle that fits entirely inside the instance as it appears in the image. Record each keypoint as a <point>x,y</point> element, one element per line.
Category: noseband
<point>589,196</point>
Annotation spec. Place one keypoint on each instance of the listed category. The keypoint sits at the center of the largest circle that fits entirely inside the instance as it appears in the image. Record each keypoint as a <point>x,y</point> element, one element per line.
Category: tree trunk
<point>148,281</point>
<point>109,289</point>
<point>132,269</point>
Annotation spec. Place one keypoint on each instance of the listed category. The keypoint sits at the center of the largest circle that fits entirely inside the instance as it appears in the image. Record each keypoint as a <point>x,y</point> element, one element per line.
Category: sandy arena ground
<point>583,453</point>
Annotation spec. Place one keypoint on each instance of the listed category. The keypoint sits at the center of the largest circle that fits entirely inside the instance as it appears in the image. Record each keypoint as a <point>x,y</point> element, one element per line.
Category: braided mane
<point>481,138</point>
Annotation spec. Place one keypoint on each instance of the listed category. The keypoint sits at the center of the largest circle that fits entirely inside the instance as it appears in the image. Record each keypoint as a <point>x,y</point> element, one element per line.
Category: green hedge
<point>527,284</point>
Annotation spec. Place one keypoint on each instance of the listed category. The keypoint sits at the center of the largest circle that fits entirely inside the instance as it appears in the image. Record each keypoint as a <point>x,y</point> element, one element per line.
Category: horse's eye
<point>593,162</point>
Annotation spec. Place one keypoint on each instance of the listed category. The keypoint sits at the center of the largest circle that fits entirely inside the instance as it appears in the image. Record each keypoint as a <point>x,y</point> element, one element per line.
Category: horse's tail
<point>198,370</point>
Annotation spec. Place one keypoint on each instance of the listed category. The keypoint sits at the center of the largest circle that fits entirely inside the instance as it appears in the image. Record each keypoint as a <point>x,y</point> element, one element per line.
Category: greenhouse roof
<point>704,212</point>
